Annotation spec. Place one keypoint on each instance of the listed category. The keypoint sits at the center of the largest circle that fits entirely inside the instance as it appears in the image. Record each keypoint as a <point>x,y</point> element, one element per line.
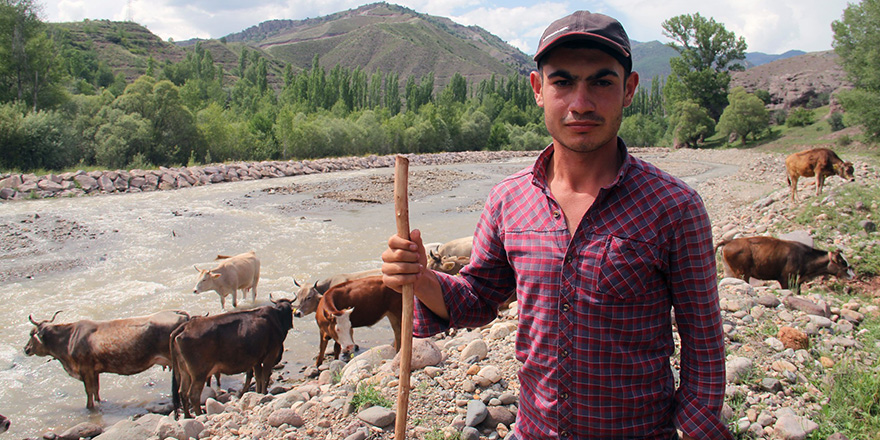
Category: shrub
<point>799,117</point>
<point>844,140</point>
<point>836,121</point>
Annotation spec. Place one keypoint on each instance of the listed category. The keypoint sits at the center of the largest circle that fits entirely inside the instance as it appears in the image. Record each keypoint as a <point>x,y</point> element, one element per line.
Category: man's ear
<point>632,83</point>
<point>536,79</point>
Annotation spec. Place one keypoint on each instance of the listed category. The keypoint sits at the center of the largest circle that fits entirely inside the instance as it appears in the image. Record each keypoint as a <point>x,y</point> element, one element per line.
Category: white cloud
<point>519,26</point>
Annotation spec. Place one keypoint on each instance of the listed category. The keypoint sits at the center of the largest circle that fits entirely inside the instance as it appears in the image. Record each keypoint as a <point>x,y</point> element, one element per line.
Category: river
<point>117,256</point>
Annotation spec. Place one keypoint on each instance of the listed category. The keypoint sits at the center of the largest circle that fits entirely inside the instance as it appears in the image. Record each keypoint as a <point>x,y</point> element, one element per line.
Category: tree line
<point>61,107</point>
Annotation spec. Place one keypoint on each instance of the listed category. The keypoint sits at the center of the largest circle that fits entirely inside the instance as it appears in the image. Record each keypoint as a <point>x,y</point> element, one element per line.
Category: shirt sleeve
<point>694,286</point>
<point>472,299</point>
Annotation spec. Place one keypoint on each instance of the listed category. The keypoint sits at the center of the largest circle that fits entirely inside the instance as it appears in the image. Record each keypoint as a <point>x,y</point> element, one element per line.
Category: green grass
<point>368,395</point>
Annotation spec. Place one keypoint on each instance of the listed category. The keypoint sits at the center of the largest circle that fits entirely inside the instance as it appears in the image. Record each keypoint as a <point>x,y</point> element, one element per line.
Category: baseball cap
<point>607,33</point>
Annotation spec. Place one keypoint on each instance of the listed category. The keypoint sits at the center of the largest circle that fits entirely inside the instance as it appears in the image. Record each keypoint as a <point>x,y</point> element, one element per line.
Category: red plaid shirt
<point>595,331</point>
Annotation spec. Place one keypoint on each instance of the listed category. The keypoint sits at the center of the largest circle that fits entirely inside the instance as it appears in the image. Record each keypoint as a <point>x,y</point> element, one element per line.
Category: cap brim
<point>575,36</point>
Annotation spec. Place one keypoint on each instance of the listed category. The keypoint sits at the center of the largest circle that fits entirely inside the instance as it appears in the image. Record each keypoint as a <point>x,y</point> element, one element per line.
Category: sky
<point>768,26</point>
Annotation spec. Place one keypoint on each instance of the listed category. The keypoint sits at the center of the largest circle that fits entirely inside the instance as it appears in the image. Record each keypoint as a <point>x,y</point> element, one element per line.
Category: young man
<point>598,246</point>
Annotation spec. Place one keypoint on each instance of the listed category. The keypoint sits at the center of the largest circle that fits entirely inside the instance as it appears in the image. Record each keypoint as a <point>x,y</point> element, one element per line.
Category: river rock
<point>377,416</point>
<point>806,306</point>
<point>82,430</point>
<point>476,412</point>
<point>793,338</point>
<point>168,427</point>
<point>424,353</point>
<point>285,416</point>
<point>125,430</point>
<point>477,348</point>
<point>738,368</point>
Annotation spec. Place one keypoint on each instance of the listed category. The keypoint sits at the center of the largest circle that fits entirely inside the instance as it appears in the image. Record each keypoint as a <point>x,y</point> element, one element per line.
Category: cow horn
<point>295,283</point>
<point>53,316</point>
<point>196,268</point>
<point>31,319</point>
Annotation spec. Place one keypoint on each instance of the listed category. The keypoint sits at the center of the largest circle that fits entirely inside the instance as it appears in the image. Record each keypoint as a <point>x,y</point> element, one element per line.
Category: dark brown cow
<point>789,262</point>
<point>121,346</point>
<point>370,299</point>
<point>246,341</point>
<point>4,424</point>
<point>819,162</point>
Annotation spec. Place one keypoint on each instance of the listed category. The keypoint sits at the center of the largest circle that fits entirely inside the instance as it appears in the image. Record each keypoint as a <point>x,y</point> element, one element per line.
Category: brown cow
<point>819,162</point>
<point>245,341</point>
<point>121,346</point>
<point>239,272</point>
<point>789,262</point>
<point>310,295</point>
<point>370,299</point>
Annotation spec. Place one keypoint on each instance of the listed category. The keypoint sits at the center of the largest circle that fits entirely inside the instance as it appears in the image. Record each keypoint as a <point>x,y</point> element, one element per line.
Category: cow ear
<point>214,275</point>
<point>447,265</point>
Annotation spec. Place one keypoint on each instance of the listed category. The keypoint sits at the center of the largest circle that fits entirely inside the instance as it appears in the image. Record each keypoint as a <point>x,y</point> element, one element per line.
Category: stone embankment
<point>79,183</point>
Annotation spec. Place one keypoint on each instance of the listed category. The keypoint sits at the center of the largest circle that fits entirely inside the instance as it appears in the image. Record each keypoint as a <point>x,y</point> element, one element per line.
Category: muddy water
<point>127,255</point>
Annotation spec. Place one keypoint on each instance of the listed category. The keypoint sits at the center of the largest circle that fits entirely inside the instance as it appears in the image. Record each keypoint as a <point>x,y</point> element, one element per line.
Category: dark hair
<point>626,62</point>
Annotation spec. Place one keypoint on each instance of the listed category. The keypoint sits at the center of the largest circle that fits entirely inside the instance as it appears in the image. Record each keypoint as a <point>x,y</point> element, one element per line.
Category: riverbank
<point>82,183</point>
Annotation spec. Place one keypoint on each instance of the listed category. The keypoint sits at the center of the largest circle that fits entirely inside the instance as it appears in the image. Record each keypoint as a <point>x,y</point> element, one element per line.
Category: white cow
<point>239,272</point>
<point>451,256</point>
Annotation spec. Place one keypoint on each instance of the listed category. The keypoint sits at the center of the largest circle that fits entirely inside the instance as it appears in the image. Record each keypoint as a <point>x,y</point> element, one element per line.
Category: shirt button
<point>566,307</point>
<point>569,259</point>
<point>564,434</point>
<point>555,214</point>
<point>563,353</point>
<point>563,396</point>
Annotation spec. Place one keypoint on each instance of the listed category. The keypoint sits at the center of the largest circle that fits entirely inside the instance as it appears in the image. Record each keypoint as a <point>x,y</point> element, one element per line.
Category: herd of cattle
<point>197,348</point>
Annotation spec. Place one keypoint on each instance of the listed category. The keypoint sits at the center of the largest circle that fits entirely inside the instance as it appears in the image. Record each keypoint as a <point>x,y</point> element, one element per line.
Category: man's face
<point>583,93</point>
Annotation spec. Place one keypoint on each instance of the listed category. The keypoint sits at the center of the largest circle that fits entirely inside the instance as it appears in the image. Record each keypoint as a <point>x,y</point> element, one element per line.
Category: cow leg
<point>248,377</point>
<point>336,349</point>
<point>793,181</point>
<point>90,381</point>
<point>195,394</point>
<point>820,182</point>
<point>323,346</point>
<point>394,320</point>
<point>222,301</point>
<point>234,298</point>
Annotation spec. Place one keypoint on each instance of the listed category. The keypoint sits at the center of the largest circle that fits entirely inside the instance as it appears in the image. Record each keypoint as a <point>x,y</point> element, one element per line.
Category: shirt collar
<point>539,172</point>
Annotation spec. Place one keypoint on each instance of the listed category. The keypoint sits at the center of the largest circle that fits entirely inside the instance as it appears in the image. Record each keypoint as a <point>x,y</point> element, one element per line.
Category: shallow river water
<point>117,256</point>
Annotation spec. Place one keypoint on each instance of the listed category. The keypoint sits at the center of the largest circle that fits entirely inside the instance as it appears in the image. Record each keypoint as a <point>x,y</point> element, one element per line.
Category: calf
<point>246,341</point>
<point>310,295</point>
<point>121,346</point>
<point>789,262</point>
<point>819,162</point>
<point>239,272</point>
<point>370,300</point>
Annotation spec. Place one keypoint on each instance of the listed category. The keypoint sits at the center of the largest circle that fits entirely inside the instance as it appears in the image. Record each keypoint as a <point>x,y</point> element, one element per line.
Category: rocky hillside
<point>793,82</point>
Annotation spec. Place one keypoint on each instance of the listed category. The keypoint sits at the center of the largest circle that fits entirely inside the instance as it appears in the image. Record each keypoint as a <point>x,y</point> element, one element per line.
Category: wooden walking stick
<point>401,210</point>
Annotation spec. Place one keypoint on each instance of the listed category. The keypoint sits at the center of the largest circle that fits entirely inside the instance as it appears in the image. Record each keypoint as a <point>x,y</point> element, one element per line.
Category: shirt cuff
<point>695,419</point>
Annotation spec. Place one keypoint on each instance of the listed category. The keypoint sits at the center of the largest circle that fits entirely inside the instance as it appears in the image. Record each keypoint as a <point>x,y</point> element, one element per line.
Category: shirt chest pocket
<point>629,270</point>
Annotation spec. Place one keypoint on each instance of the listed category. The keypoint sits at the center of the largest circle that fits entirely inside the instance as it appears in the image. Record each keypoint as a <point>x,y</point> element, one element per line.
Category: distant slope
<point>388,38</point>
<point>758,58</point>
<point>125,46</point>
<point>794,81</point>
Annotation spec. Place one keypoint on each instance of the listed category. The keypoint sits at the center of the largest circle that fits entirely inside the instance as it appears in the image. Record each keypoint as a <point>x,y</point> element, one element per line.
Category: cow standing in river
<point>122,346</point>
<point>239,272</point>
<point>246,341</point>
